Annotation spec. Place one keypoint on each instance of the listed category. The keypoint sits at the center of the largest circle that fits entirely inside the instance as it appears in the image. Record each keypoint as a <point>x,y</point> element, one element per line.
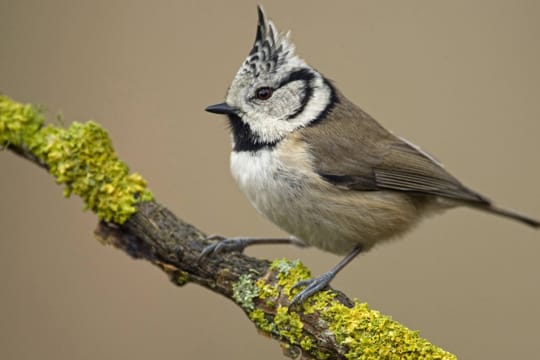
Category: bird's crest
<point>271,50</point>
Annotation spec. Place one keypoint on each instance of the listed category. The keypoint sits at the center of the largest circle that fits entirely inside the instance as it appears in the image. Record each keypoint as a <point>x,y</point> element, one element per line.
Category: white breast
<point>280,185</point>
<point>261,176</point>
<point>285,194</point>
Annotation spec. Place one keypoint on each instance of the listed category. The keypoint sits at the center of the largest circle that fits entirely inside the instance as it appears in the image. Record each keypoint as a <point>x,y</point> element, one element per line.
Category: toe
<point>302,283</point>
<point>312,286</point>
<point>207,251</point>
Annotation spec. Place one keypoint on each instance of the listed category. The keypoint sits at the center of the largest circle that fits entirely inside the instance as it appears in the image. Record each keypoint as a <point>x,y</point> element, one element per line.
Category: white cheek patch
<point>271,129</point>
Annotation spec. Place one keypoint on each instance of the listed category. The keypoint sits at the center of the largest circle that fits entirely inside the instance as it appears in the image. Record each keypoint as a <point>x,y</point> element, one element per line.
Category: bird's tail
<point>511,214</point>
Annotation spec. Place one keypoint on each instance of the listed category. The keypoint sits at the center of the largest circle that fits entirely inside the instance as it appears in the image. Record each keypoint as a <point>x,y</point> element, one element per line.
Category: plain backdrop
<point>460,78</point>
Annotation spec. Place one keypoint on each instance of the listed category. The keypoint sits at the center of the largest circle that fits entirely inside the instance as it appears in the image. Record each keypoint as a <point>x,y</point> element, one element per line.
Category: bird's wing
<point>403,168</point>
<point>353,151</point>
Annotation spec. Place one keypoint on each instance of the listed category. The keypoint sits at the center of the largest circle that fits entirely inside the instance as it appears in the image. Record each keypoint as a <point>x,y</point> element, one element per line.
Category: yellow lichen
<point>81,158</point>
<point>370,335</point>
<point>18,122</point>
<point>259,319</point>
<point>289,273</point>
<point>306,343</point>
<point>366,333</point>
<point>285,324</point>
<point>288,325</point>
<point>182,278</point>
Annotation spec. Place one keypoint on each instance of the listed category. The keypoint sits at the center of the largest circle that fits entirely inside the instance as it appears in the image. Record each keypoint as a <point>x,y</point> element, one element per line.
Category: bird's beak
<point>222,108</point>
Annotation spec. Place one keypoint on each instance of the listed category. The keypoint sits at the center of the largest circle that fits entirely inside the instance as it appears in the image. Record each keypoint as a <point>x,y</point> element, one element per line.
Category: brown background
<point>460,78</point>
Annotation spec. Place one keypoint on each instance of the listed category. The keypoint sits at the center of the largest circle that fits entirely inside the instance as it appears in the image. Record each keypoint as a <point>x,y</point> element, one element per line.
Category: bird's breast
<point>269,184</point>
<point>281,184</point>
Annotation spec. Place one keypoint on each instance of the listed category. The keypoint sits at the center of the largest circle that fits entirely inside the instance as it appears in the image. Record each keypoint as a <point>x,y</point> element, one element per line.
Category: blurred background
<point>460,78</point>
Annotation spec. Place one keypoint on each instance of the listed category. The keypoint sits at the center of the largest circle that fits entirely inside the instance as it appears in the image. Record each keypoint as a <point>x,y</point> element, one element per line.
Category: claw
<point>210,249</point>
<point>223,245</point>
<point>312,286</point>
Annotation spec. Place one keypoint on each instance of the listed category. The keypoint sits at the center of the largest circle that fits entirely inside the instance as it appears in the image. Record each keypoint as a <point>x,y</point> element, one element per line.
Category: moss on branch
<point>81,157</point>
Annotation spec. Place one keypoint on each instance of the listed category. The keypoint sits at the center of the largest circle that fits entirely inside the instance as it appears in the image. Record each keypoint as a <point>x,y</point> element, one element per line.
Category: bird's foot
<point>224,244</point>
<point>312,286</point>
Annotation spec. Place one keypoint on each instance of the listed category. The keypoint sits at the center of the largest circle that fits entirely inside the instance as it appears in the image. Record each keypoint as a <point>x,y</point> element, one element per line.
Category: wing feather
<point>354,152</point>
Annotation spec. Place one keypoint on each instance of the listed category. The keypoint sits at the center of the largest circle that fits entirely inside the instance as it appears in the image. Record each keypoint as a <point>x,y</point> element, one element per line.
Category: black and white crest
<point>271,50</point>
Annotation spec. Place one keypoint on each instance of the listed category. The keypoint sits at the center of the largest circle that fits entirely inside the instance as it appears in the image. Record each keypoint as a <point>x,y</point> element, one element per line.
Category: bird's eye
<point>264,93</point>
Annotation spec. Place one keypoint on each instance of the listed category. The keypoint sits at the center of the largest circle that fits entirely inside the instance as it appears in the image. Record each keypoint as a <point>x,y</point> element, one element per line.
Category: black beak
<point>222,108</point>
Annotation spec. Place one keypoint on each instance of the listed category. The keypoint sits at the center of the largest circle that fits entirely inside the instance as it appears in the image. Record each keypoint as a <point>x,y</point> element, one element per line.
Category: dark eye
<point>264,93</point>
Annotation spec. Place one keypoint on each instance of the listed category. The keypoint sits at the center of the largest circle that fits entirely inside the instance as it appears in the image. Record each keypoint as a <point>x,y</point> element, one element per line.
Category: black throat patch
<point>244,138</point>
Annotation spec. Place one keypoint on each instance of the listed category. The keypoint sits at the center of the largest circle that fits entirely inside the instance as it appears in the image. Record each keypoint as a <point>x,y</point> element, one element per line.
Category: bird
<point>321,168</point>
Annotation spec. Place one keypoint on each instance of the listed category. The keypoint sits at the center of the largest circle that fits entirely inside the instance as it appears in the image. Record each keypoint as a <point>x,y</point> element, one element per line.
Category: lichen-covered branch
<point>327,326</point>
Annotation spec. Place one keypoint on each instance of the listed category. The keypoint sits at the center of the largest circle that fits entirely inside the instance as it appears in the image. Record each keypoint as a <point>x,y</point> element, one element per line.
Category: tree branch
<point>328,326</point>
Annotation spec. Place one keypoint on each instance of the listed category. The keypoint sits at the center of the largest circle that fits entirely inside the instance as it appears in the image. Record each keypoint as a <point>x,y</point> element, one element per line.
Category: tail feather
<point>512,215</point>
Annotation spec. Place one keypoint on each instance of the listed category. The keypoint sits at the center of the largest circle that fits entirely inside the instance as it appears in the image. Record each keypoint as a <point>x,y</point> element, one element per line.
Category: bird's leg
<point>225,244</point>
<point>316,284</point>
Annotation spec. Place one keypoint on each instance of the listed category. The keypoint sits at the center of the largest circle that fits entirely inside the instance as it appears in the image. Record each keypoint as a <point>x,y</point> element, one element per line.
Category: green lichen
<point>306,343</point>
<point>369,335</point>
<point>288,325</point>
<point>259,319</point>
<point>267,291</point>
<point>321,355</point>
<point>18,122</point>
<point>284,324</point>
<point>81,158</point>
<point>245,290</point>
<point>366,333</point>
<point>284,266</point>
<point>182,278</point>
<point>289,273</point>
